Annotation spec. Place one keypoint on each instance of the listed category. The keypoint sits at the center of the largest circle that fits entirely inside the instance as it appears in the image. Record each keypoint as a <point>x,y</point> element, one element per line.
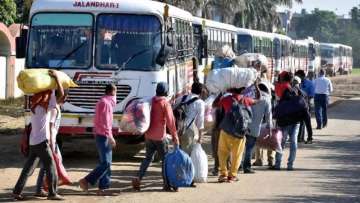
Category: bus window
<point>245,43</point>
<point>277,49</point>
<point>134,40</point>
<point>60,40</point>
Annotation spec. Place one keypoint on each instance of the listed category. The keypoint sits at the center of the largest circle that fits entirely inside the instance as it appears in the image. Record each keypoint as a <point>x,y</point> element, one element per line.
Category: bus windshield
<point>128,42</point>
<point>60,40</point>
<point>245,44</point>
<point>327,53</point>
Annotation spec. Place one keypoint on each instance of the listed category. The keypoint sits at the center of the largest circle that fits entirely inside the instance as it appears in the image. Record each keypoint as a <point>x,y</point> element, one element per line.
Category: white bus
<point>209,36</point>
<point>314,58</point>
<point>300,55</point>
<point>345,59</point>
<point>133,44</point>
<point>330,57</point>
<point>254,41</point>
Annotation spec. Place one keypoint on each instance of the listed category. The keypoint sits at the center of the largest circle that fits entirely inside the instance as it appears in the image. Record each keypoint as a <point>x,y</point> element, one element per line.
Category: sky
<point>340,7</point>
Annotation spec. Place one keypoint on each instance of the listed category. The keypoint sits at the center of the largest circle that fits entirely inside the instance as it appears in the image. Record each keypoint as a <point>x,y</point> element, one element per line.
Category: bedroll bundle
<point>221,80</point>
<point>32,81</point>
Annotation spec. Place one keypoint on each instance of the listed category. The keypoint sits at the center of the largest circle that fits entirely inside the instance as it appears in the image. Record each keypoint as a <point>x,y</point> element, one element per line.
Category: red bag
<point>63,177</point>
<point>267,141</point>
<point>24,141</point>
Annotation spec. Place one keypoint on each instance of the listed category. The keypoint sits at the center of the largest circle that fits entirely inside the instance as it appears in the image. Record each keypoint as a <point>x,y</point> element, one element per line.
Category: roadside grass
<point>12,107</point>
<point>356,71</point>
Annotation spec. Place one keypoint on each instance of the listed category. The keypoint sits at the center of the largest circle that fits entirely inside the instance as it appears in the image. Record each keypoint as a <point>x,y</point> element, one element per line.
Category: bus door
<point>277,54</point>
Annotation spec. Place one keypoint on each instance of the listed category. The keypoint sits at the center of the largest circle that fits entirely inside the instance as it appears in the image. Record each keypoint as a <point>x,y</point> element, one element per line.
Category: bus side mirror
<point>163,55</point>
<point>21,44</point>
<point>205,46</point>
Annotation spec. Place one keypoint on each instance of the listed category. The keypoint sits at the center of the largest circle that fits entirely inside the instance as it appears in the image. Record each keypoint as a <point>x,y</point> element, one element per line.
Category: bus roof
<point>214,24</point>
<point>282,37</point>
<point>329,45</point>
<point>257,33</point>
<point>301,42</point>
<point>108,6</point>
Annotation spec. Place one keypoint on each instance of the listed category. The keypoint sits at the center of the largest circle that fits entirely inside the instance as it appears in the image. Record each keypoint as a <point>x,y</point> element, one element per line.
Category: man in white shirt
<point>323,88</point>
<point>194,121</point>
<point>41,105</point>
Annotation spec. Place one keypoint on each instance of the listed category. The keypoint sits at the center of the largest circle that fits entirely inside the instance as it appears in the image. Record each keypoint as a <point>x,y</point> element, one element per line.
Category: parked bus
<point>253,41</point>
<point>345,59</point>
<point>300,55</point>
<point>282,52</point>
<point>133,44</point>
<point>209,36</point>
<point>314,58</point>
<point>330,59</point>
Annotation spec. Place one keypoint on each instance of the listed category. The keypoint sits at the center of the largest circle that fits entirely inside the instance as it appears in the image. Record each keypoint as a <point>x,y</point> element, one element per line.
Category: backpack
<point>178,168</point>
<point>236,121</point>
<point>180,115</point>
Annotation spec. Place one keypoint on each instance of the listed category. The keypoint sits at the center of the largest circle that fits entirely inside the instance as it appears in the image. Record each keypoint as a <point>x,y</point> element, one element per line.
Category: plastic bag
<point>178,168</point>
<point>209,114</point>
<point>200,161</point>
<point>222,79</point>
<point>32,81</point>
<point>63,176</point>
<point>136,117</point>
<point>267,141</point>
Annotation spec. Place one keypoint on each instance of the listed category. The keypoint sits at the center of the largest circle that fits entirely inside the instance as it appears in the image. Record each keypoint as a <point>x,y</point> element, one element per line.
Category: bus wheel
<point>128,150</point>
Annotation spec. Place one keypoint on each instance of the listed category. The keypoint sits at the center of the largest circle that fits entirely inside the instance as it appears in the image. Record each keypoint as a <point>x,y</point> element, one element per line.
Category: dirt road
<point>327,171</point>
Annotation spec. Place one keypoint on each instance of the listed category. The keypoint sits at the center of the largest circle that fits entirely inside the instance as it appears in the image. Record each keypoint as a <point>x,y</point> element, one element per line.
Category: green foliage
<point>7,11</point>
<point>324,26</point>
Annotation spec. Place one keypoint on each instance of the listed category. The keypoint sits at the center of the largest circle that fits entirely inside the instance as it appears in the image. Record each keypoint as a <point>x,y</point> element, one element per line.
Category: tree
<point>7,12</point>
<point>322,25</point>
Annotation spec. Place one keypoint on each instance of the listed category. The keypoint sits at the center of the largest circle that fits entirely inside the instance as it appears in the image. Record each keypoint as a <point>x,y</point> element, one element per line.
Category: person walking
<point>289,126</point>
<point>229,145</point>
<point>55,119</point>
<point>323,88</point>
<point>161,118</point>
<point>41,104</point>
<point>104,142</point>
<point>194,120</point>
<point>261,110</point>
<point>307,86</point>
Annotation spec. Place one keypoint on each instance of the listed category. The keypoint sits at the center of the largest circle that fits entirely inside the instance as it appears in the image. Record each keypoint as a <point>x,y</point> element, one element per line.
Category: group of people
<point>231,153</point>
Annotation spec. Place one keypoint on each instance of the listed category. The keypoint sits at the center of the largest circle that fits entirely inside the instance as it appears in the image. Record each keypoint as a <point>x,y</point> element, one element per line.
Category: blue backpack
<point>179,169</point>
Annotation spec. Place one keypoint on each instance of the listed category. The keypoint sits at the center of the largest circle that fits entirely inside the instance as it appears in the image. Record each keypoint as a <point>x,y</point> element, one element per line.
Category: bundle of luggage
<point>136,117</point>
<point>32,81</point>
<point>220,80</point>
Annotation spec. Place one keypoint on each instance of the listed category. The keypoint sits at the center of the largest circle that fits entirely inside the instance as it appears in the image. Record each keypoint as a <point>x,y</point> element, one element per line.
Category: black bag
<point>289,107</point>
<point>180,114</point>
<point>236,121</point>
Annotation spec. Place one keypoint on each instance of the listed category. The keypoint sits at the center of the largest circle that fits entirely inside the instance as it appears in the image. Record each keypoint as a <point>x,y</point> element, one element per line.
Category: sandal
<point>18,197</point>
<point>136,184</point>
<point>232,179</point>
<point>222,179</point>
<point>84,185</point>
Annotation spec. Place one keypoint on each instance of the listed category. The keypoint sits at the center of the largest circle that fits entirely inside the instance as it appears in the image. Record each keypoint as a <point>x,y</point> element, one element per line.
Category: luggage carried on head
<point>220,80</point>
<point>178,168</point>
<point>32,81</point>
<point>136,117</point>
<point>180,112</point>
<point>271,141</point>
<point>236,121</point>
<point>200,161</point>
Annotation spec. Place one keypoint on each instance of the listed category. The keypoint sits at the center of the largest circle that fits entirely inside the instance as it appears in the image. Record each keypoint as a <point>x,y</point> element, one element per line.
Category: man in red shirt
<point>162,118</point>
<point>104,141</point>
<point>228,144</point>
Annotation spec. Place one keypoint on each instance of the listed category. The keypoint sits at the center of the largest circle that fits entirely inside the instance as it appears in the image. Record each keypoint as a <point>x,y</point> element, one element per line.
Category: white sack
<point>220,80</point>
<point>200,161</point>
